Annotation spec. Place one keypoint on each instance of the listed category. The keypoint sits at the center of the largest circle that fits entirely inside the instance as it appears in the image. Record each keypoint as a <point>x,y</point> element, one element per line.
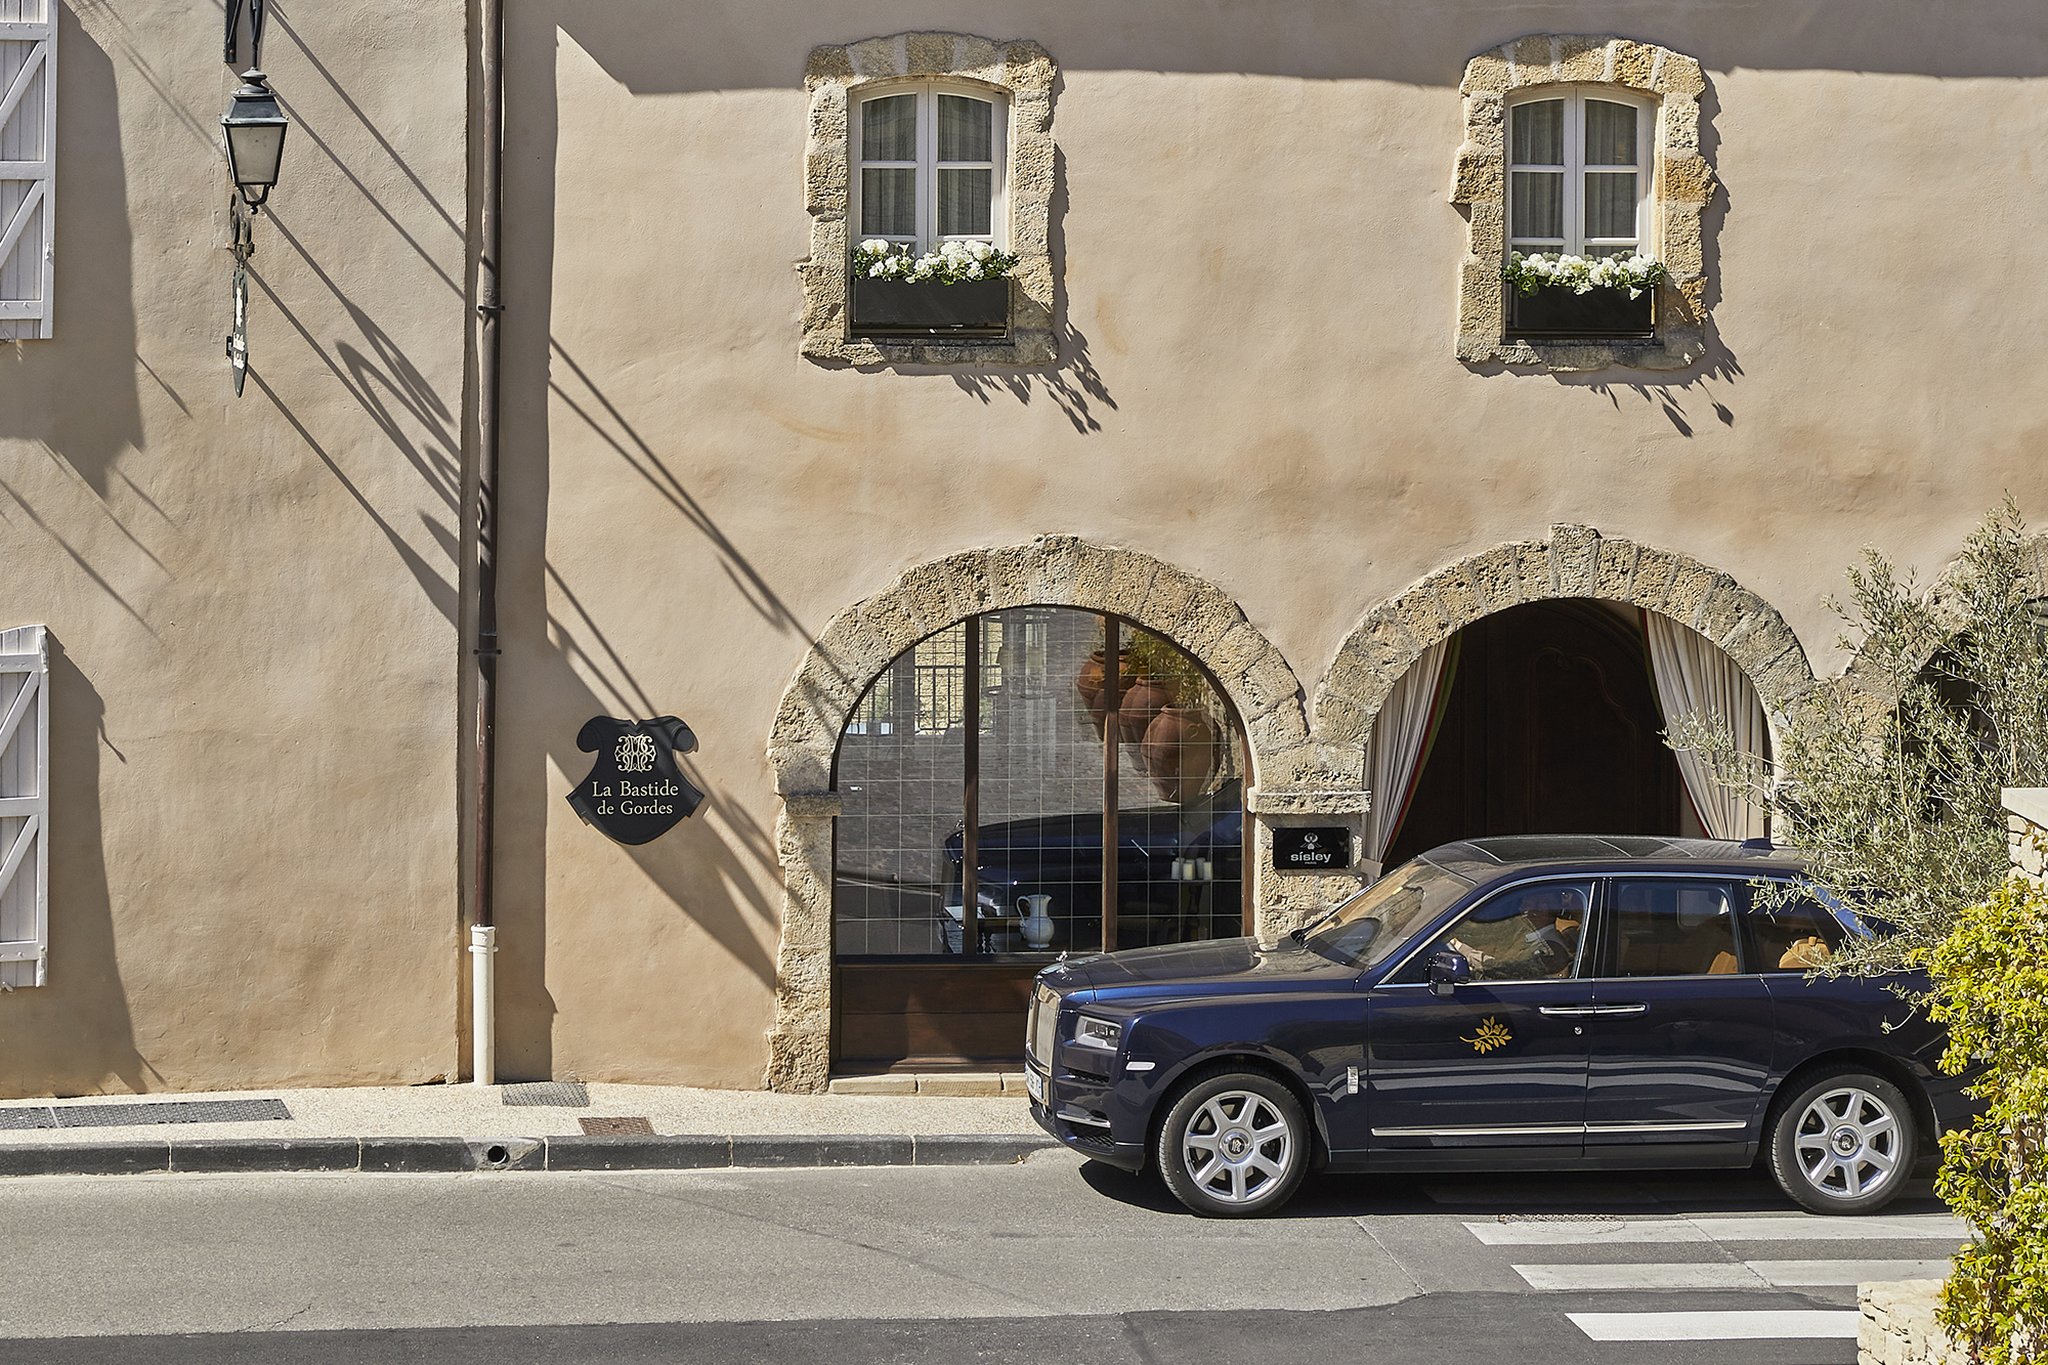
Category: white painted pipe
<point>483,1032</point>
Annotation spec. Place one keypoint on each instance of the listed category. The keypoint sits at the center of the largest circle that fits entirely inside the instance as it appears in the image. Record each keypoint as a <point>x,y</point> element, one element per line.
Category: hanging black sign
<point>1318,848</point>
<point>635,792</point>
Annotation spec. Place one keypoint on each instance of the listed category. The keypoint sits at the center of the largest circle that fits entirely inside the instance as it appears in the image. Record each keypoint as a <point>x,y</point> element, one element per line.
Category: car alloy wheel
<point>1844,1143</point>
<point>1234,1144</point>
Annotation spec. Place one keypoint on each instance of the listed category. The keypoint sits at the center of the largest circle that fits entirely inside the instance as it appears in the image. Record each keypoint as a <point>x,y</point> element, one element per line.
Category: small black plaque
<point>635,792</point>
<point>1314,848</point>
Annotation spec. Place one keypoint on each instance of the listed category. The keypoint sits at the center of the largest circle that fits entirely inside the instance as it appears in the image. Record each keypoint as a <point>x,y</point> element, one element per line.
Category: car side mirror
<point>1448,971</point>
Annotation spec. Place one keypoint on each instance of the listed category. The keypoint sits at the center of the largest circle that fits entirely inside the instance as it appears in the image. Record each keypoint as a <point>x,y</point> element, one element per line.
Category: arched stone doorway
<point>1554,644</point>
<point>863,642</point>
<point>1546,723</point>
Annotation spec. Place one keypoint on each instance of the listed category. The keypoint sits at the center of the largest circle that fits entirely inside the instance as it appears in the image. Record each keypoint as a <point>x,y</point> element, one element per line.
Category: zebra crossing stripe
<point>1816,1274</point>
<point>1774,1228</point>
<point>1723,1274</point>
<point>1785,1325</point>
<point>1633,1275</point>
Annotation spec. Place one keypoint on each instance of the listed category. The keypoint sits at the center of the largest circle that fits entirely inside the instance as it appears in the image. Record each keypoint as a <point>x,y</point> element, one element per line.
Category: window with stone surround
<point>918,138</point>
<point>1587,144</point>
<point>931,166</point>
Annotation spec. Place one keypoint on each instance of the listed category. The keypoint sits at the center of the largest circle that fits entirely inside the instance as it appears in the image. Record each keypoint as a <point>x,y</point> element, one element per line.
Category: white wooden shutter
<point>24,807</point>
<point>28,165</point>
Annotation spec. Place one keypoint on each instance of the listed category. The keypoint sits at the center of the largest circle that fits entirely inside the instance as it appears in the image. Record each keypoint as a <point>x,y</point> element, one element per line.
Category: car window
<point>1794,934</point>
<point>1669,926</point>
<point>1367,928</point>
<point>1526,933</point>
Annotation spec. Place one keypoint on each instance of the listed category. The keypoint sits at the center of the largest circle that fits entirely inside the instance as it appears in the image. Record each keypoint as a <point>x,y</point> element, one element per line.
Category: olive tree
<point>1888,781</point>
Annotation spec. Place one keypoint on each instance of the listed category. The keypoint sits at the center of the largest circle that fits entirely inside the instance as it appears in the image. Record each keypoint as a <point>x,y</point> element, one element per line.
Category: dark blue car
<point>1529,1003</point>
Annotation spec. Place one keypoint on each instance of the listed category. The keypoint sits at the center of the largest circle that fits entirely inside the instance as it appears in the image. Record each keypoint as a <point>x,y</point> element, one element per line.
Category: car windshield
<point>1365,928</point>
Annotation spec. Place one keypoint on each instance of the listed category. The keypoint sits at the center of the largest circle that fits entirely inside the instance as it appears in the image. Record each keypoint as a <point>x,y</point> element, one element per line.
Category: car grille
<point>1094,1139</point>
<point>1044,1026</point>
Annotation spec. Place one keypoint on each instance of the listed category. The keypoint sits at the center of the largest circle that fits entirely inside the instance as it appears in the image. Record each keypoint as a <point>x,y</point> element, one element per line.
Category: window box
<point>972,308</point>
<point>1602,313</point>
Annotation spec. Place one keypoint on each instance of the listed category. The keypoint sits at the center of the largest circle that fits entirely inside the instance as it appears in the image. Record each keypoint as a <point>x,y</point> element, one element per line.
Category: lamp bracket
<point>232,46</point>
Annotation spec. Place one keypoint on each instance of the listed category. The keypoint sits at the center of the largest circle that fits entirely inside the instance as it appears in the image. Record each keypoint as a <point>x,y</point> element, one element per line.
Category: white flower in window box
<point>960,289</point>
<point>1554,294</point>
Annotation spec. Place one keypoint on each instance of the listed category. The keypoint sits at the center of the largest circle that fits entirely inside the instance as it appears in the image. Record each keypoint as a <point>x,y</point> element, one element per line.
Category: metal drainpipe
<point>489,160</point>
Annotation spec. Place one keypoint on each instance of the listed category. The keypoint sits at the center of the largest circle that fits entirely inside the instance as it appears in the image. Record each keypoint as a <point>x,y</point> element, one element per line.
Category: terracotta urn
<point>1179,750</point>
<point>1144,699</point>
<point>1091,683</point>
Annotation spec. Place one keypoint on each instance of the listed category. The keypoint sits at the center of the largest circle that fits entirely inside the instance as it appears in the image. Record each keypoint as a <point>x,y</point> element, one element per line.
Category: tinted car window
<point>1791,935</point>
<point>1671,927</point>
<point>1526,933</point>
<point>1364,930</point>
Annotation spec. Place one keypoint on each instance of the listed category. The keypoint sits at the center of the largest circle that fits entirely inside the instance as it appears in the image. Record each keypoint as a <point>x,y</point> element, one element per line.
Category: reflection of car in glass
<point>1530,1003</point>
<point>1179,874</point>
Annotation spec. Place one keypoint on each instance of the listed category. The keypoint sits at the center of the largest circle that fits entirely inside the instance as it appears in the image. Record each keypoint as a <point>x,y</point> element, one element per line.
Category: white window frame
<point>1575,171</point>
<point>928,164</point>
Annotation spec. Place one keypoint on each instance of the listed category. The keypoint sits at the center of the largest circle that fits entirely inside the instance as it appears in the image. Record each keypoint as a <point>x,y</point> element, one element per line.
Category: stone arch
<point>1945,606</point>
<point>1576,561</point>
<point>861,641</point>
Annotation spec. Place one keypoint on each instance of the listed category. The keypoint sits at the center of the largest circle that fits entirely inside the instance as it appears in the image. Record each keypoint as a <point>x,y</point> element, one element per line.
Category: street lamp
<point>253,128</point>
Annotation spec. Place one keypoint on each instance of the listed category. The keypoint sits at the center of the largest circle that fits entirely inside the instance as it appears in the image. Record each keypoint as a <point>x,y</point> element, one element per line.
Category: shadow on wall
<point>1718,368</point>
<point>710,867</point>
<point>1072,382</point>
<point>78,393</point>
<point>78,1024</point>
<point>650,48</point>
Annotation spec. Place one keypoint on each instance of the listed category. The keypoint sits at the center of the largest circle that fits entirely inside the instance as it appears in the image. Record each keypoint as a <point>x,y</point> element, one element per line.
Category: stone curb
<point>389,1155</point>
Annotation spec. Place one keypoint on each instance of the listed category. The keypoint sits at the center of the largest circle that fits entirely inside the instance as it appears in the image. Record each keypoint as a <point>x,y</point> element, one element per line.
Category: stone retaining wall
<point>1898,1326</point>
<point>2026,826</point>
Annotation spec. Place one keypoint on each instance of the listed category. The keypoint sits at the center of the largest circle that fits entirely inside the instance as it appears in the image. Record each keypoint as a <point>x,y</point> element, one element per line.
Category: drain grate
<point>616,1127</point>
<point>1559,1218</point>
<point>145,1114</point>
<point>561,1094</point>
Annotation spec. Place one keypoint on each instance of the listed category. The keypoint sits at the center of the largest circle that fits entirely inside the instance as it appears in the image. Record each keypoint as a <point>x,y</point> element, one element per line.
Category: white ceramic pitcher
<point>1037,923</point>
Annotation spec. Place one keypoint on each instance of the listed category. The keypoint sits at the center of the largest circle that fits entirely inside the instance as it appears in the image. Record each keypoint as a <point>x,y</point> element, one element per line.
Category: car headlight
<point>1103,1033</point>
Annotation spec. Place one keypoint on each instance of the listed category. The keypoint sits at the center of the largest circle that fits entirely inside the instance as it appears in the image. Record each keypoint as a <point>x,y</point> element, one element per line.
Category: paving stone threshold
<point>681,1152</point>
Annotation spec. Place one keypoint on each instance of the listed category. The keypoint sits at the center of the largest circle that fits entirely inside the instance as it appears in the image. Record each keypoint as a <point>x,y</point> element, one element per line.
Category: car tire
<point>1234,1144</point>
<point>1844,1142</point>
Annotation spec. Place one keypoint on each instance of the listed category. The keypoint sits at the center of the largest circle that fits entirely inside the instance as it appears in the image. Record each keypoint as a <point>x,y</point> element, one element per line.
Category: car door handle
<point>1621,1009</point>
<point>1568,1011</point>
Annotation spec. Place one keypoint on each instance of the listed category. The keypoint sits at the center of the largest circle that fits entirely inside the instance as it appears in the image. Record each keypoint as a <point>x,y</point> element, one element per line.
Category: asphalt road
<point>1044,1261</point>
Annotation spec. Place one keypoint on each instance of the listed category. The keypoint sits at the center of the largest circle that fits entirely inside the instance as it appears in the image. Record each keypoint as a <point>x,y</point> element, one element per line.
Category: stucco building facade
<point>1259,423</point>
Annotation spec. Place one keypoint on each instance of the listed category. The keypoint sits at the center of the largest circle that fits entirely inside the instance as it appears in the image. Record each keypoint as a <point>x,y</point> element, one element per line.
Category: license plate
<point>1034,1085</point>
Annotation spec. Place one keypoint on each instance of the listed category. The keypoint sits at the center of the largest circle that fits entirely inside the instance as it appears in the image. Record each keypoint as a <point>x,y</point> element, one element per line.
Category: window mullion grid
<point>927,174</point>
<point>1113,700</point>
<point>1575,175</point>
<point>970,830</point>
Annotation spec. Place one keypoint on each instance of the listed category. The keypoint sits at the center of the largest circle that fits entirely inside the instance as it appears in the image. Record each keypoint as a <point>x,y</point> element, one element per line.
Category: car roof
<point>1483,860</point>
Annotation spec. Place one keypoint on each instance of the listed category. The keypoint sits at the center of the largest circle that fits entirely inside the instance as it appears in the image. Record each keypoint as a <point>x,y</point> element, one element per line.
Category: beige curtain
<point>1395,749</point>
<point>1695,677</point>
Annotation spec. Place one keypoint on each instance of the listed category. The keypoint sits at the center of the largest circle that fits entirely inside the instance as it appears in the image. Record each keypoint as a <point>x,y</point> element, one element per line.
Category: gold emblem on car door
<point>1492,1034</point>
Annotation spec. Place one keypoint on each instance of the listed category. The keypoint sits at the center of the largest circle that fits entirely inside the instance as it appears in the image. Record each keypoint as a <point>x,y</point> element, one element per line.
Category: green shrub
<point>1991,990</point>
<point>1888,782</point>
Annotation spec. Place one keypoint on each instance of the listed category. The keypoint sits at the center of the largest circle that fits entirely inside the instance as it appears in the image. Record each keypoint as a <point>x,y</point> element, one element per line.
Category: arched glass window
<point>988,768</point>
<point>929,165</point>
<point>1578,173</point>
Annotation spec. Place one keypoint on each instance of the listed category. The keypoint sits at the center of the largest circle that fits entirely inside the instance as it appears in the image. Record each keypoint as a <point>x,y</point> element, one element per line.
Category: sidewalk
<point>541,1126</point>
